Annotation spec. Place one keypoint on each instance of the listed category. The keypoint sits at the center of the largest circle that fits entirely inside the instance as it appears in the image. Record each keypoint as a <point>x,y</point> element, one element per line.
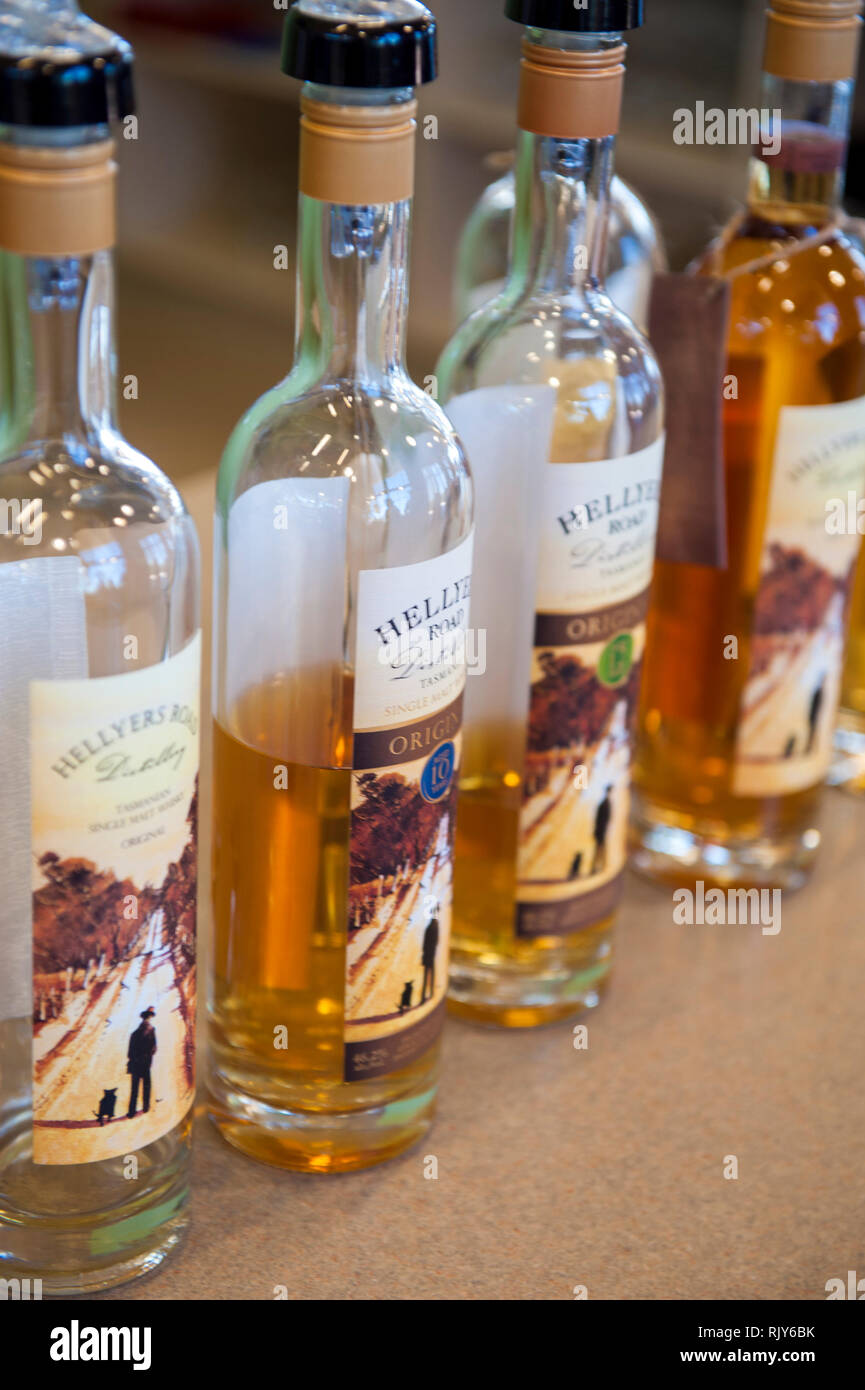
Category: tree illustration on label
<point>400,874</point>
<point>577,767</point>
<point>114,980</point>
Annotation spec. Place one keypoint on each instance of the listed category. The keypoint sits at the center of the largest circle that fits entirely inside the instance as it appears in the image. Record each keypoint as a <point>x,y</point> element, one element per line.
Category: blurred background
<point>209,188</point>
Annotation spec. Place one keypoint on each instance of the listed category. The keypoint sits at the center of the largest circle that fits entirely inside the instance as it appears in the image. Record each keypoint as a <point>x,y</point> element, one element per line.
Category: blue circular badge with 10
<point>438,774</point>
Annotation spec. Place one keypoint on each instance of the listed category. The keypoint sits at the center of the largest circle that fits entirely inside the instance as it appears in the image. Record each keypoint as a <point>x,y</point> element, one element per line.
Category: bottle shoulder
<point>544,340</point>
<point>104,470</point>
<point>368,433</point>
<point>94,499</point>
<point>810,289</point>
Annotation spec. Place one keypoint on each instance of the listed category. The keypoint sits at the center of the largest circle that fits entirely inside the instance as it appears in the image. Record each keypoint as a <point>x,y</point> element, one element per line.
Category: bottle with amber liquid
<point>744,663</point>
<point>558,400</point>
<point>344,540</point>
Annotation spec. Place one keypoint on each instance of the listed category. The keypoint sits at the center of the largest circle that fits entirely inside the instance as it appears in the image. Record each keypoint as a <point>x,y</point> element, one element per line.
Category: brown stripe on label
<point>390,747</point>
<point>378,1056</point>
<point>570,914</point>
<point>581,629</point>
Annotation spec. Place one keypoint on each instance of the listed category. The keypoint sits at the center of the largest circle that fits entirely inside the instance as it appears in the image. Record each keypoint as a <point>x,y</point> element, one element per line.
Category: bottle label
<point>802,591</point>
<point>597,547</point>
<point>114,801</point>
<point>410,678</point>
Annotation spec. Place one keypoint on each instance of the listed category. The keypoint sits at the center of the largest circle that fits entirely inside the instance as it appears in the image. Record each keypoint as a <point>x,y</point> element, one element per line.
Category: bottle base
<point>83,1228</point>
<point>318,1141</point>
<point>37,1283</point>
<point>501,995</point>
<point>670,853</point>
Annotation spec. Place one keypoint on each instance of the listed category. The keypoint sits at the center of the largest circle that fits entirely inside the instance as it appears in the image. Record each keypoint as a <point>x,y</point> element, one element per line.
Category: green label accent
<point>616,660</point>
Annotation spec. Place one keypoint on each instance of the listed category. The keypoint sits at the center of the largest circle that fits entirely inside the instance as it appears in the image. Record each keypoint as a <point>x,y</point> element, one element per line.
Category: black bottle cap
<point>59,69</point>
<point>592,17</point>
<point>360,43</point>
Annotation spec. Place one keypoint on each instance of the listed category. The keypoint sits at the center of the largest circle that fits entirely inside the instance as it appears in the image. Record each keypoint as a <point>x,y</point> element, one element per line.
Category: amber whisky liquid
<point>796,338</point>
<point>485,887</point>
<point>282,787</point>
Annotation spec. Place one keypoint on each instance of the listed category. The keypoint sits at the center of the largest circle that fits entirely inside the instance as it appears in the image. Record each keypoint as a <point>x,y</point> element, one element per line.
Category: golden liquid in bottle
<point>485,887</point>
<point>779,355</point>
<point>280,897</point>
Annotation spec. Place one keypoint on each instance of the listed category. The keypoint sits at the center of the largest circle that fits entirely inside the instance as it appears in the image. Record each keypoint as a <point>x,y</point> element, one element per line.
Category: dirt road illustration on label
<point>576,789</point>
<point>793,687</point>
<point>115,811</point>
<point>399,912</point>
<point>791,694</point>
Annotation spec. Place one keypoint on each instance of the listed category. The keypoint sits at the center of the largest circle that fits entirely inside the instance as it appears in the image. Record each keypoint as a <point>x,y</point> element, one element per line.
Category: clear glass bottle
<point>635,250</point>
<point>744,664</point>
<point>559,402</point>
<point>99,675</point>
<point>344,514</point>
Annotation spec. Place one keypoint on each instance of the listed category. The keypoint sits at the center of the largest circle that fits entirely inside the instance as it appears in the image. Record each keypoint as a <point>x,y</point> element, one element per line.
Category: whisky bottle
<point>344,539</point>
<point>559,402</point>
<point>99,681</point>
<point>635,249</point>
<point>744,662</point>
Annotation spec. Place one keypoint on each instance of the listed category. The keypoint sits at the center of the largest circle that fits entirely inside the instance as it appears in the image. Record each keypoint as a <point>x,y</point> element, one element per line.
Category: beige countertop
<point>601,1167</point>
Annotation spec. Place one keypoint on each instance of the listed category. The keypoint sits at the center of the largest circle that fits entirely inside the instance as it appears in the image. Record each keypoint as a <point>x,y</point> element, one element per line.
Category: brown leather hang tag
<point>688,324</point>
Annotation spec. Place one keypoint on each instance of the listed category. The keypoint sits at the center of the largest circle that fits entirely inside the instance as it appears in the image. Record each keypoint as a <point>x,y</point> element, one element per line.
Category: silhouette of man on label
<point>139,1060</point>
<point>814,715</point>
<point>428,959</point>
<point>603,816</point>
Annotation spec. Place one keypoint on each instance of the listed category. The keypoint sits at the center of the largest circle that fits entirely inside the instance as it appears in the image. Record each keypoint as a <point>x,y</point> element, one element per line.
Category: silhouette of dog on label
<point>106,1105</point>
<point>405,1001</point>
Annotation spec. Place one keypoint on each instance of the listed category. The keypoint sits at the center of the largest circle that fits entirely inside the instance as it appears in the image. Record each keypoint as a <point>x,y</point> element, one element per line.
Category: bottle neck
<point>570,100</point>
<point>797,169</point>
<point>63,312</point>
<point>357,152</point>
<point>562,205</point>
<point>352,290</point>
